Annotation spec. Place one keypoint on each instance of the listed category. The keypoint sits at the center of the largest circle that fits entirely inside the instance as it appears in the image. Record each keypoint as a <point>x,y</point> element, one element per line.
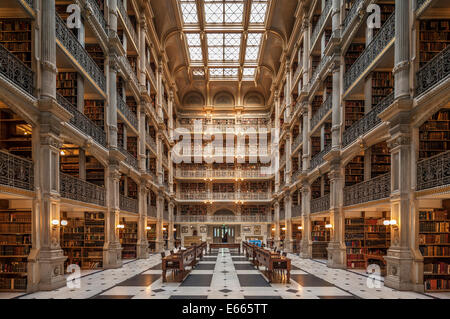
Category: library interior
<point>224,149</point>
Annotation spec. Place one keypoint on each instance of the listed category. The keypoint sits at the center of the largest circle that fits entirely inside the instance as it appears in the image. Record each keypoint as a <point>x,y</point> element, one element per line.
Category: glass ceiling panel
<point>189,11</point>
<point>223,72</point>
<point>258,12</point>
<point>195,53</point>
<point>224,46</point>
<point>253,45</point>
<point>225,11</point>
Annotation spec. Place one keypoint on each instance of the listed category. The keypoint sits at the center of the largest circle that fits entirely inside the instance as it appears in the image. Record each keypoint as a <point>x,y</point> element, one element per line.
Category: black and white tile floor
<point>225,275</point>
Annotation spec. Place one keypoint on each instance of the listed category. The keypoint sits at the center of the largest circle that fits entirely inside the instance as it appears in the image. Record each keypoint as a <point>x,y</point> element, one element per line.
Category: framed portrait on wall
<point>257,229</point>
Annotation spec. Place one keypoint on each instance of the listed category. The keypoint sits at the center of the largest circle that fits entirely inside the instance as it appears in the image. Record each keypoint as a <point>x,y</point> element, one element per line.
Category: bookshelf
<point>83,238</point>
<point>315,145</point>
<point>70,162</point>
<point>382,86</point>
<point>15,245</point>
<point>131,102</point>
<point>353,53</point>
<point>354,171</point>
<point>381,160</point>
<point>128,239</point>
<point>354,241</point>
<point>377,240</point>
<point>434,244</point>
<point>15,36</point>
<point>387,9</point>
<point>95,111</point>
<point>66,85</point>
<point>316,189</point>
<point>434,36</point>
<point>316,103</point>
<point>434,135</point>
<point>320,237</point>
<point>96,53</point>
<point>193,210</point>
<point>15,134</point>
<point>151,237</point>
<point>254,210</point>
<point>354,111</point>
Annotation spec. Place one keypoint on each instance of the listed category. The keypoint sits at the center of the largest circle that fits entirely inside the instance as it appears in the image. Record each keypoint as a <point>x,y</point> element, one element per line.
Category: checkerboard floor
<point>225,275</point>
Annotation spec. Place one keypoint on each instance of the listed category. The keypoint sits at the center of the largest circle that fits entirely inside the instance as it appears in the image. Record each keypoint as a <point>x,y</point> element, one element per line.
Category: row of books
<point>435,251</point>
<point>437,284</point>
<point>441,268</point>
<point>434,239</point>
<point>14,250</point>
<point>15,239</point>
<point>19,266</point>
<point>431,226</point>
<point>15,217</point>
<point>15,228</point>
<point>13,283</point>
<point>437,214</point>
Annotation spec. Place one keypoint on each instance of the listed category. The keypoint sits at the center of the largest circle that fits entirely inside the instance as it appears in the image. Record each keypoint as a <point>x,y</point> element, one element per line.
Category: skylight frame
<point>225,47</point>
<point>224,11</point>
<point>189,12</point>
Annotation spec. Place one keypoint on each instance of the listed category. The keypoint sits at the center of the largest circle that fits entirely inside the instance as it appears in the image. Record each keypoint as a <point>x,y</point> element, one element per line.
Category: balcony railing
<point>128,24</point>
<point>296,174</point>
<point>74,47</point>
<point>16,171</point>
<point>322,111</point>
<point>374,189</point>
<point>151,211</point>
<point>126,112</point>
<point>224,196</point>
<point>296,211</point>
<point>130,71</point>
<point>193,196</point>
<point>420,3</point>
<point>16,71</point>
<point>434,171</point>
<point>298,140</point>
<point>318,70</point>
<point>128,204</point>
<point>82,122</point>
<point>82,191</point>
<point>367,123</point>
<point>223,219</point>
<point>151,141</point>
<point>321,204</point>
<point>191,173</point>
<point>98,14</point>
<point>30,3</point>
<point>352,14</point>
<point>254,196</point>
<point>130,159</point>
<point>317,160</point>
<point>434,72</point>
<point>376,46</point>
<point>326,10</point>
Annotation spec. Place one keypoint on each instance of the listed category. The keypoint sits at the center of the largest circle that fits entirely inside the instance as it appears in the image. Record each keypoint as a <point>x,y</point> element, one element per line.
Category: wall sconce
<point>329,226</point>
<point>62,153</point>
<point>273,229</point>
<point>164,228</point>
<point>299,227</point>
<point>174,229</point>
<point>55,223</point>
<point>64,223</point>
<point>391,222</point>
<point>284,228</point>
<point>148,228</point>
<point>120,226</point>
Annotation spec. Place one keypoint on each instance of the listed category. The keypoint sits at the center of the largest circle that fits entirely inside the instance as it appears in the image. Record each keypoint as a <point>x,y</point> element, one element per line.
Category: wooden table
<point>225,245</point>
<point>178,262</point>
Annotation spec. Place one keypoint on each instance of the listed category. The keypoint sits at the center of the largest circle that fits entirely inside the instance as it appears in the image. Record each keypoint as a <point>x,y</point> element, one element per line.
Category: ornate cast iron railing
<point>318,70</point>
<point>130,159</point>
<point>30,3</point>
<point>296,210</point>
<point>74,47</point>
<point>375,47</point>
<point>317,160</point>
<point>151,141</point>
<point>298,140</point>
<point>97,13</point>
<point>126,18</point>
<point>420,3</point>
<point>374,189</point>
<point>435,71</point>
<point>16,171</point>
<point>434,171</point>
<point>222,219</point>
<point>322,111</point>
<point>320,204</point>
<point>351,14</point>
<point>130,71</point>
<point>367,123</point>
<point>79,190</point>
<point>321,21</point>
<point>128,204</point>
<point>82,122</point>
<point>16,71</point>
<point>126,112</point>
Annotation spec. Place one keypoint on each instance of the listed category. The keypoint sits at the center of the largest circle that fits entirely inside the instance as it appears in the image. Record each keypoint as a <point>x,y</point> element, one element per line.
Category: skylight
<point>189,11</point>
<point>194,45</point>
<point>253,44</point>
<point>226,11</point>
<point>223,46</point>
<point>258,11</point>
<point>223,72</point>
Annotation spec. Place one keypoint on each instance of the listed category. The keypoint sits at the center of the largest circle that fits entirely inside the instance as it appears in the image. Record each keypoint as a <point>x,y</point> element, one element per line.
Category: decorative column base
<point>400,266</point>
<point>337,256</point>
<point>305,249</point>
<point>159,246</point>
<point>112,256</point>
<point>49,265</point>
<point>171,244</point>
<point>142,250</point>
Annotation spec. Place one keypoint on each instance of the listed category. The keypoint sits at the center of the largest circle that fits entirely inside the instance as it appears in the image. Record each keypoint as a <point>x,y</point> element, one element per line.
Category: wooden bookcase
<point>434,135</point>
<point>96,53</point>
<point>382,86</point>
<point>377,240</point>
<point>354,171</point>
<point>66,85</point>
<point>354,241</point>
<point>15,245</point>
<point>354,111</point>
<point>316,103</point>
<point>353,53</point>
<point>15,134</point>
<point>193,210</point>
<point>95,111</point>
<point>151,237</point>
<point>128,239</point>
<point>320,237</point>
<point>381,160</point>
<point>15,36</point>
<point>434,243</point>
<point>434,36</point>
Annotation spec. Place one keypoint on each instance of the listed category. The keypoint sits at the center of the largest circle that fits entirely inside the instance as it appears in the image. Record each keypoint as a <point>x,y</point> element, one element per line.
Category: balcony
<point>126,113</point>
<point>374,189</point>
<point>434,72</point>
<point>82,122</point>
<point>223,219</point>
<point>323,110</point>
<point>320,23</point>
<point>128,204</point>
<point>127,22</point>
<point>129,158</point>
<point>79,55</point>
<point>150,141</point>
<point>297,141</point>
<point>318,160</point>
<point>382,39</point>
<point>254,196</point>
<point>181,173</point>
<point>223,196</point>
<point>296,211</point>
<point>16,71</point>
<point>367,123</point>
<point>82,191</point>
<point>16,172</point>
<point>206,196</point>
<point>193,196</point>
<point>433,172</point>
<point>321,204</point>
<point>97,13</point>
<point>351,15</point>
<point>318,72</point>
<point>151,211</point>
<point>130,72</point>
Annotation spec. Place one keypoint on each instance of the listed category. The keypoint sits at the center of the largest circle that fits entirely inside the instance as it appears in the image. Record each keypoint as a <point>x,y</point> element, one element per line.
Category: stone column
<point>306,112</point>
<point>159,166</point>
<point>402,47</point>
<point>171,225</point>
<point>305,243</point>
<point>82,163</point>
<point>276,158</point>
<point>276,240</point>
<point>159,245</point>
<point>288,216</point>
<point>288,150</point>
<point>142,243</point>
<point>142,136</point>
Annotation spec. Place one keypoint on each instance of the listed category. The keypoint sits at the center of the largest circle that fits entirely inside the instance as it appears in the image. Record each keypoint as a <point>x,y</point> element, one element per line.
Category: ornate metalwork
<point>296,211</point>
<point>128,204</point>
<point>16,71</point>
<point>326,10</point>
<point>376,46</point>
<point>126,112</point>
<point>420,3</point>
<point>367,123</point>
<point>318,70</point>
<point>130,159</point>
<point>434,171</point>
<point>16,171</point>
<point>322,111</point>
<point>435,71</point>
<point>374,189</point>
<point>130,71</point>
<point>30,3</point>
<point>79,190</point>
<point>98,13</point>
<point>82,122</point>
<point>317,160</point>
<point>351,14</point>
<point>222,219</point>
<point>74,47</point>
<point>150,141</point>
<point>320,204</point>
<point>298,140</point>
<point>126,18</point>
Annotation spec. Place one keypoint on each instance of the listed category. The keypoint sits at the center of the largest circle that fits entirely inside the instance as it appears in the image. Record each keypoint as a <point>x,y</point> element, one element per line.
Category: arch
<point>193,99</point>
<point>254,99</point>
<point>223,212</point>
<point>224,99</point>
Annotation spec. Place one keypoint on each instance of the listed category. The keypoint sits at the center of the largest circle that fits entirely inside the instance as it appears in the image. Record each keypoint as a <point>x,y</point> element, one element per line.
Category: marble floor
<point>226,275</point>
